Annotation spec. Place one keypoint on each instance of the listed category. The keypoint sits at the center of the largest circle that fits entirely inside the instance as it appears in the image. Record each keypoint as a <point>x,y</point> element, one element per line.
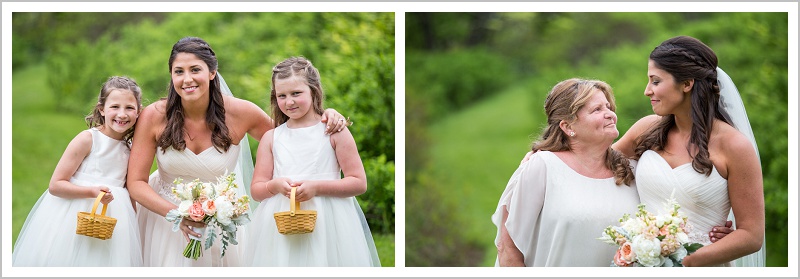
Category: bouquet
<point>651,240</point>
<point>216,205</point>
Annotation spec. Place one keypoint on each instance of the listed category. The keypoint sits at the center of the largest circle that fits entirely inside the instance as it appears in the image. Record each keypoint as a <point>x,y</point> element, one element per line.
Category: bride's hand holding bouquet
<point>215,204</point>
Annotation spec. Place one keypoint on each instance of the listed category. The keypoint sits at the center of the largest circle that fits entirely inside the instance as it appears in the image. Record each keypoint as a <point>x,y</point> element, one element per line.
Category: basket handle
<point>97,202</point>
<point>294,205</point>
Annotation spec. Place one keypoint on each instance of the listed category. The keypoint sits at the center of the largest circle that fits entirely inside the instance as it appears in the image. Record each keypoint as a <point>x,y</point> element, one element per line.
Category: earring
<point>572,133</point>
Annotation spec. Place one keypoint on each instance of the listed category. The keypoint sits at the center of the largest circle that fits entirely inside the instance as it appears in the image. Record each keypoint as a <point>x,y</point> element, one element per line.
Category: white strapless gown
<point>703,199</point>
<point>160,245</point>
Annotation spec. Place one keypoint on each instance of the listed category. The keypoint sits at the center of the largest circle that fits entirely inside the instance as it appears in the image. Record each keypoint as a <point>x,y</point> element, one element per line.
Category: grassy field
<point>476,151</point>
<point>39,136</point>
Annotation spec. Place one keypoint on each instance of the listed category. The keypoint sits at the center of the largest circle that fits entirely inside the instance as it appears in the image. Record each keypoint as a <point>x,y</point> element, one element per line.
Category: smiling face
<point>191,76</point>
<point>119,113</point>
<point>295,101</point>
<point>596,121</point>
<point>666,96</point>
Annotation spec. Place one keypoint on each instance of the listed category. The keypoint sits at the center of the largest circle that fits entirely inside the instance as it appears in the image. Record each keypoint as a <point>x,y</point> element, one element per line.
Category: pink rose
<point>196,212</point>
<point>625,255</point>
<point>210,207</point>
<point>664,230</point>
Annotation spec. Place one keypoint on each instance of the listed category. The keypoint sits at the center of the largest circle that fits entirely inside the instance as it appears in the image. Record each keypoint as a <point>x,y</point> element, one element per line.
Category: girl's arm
<point>353,183</point>
<point>745,189</point>
<point>143,150</point>
<point>626,144</point>
<point>263,186</point>
<point>73,156</point>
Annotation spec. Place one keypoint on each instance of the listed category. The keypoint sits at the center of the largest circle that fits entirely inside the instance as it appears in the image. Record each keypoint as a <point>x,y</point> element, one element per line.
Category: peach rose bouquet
<point>651,240</point>
<point>215,204</point>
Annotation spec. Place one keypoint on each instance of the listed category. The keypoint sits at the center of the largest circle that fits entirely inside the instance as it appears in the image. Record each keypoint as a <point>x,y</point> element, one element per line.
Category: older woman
<point>557,203</point>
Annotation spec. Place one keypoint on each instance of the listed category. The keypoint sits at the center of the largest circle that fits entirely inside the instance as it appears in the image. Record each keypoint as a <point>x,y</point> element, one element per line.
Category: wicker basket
<point>295,221</point>
<point>97,226</point>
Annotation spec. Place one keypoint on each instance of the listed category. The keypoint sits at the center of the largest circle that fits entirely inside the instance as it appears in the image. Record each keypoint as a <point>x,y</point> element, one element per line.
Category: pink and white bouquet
<point>215,204</point>
<point>651,240</point>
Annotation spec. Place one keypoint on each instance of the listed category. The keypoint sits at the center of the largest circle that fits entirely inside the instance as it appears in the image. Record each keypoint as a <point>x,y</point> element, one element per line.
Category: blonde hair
<point>562,104</point>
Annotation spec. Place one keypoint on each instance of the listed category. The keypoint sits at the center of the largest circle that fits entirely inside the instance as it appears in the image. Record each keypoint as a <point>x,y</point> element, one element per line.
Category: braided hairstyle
<point>215,114</point>
<point>563,103</point>
<point>302,69</point>
<point>687,58</point>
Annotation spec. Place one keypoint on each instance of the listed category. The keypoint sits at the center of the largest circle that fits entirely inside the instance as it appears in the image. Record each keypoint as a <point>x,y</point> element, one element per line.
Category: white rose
<point>682,237</point>
<point>224,210</point>
<point>661,219</point>
<point>184,206</point>
<point>679,254</point>
<point>648,251</point>
<point>667,263</point>
<point>633,226</point>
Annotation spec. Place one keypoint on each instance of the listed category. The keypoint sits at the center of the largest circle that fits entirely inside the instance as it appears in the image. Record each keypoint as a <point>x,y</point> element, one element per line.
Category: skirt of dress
<point>48,236</point>
<point>341,236</point>
<point>163,247</point>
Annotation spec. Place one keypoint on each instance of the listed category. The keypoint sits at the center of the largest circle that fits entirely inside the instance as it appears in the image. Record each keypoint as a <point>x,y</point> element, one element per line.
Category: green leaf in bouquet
<point>692,247</point>
<point>241,220</point>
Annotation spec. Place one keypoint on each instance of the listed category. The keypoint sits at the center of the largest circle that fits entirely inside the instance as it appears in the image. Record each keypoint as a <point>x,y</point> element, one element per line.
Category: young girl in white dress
<point>95,161</point>
<point>298,154</point>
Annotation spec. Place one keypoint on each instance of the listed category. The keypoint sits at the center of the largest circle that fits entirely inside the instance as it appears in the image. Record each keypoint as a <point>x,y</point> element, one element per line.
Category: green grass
<point>385,245</point>
<point>476,150</point>
<point>39,136</point>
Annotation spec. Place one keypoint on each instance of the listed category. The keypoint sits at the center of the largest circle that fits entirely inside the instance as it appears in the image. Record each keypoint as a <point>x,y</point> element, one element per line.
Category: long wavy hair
<point>95,119</point>
<point>215,114</point>
<point>563,103</point>
<point>687,58</point>
<point>301,68</point>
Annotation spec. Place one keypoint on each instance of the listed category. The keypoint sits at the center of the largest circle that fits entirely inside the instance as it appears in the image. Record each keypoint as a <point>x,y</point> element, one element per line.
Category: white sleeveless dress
<point>48,236</point>
<point>703,199</point>
<point>341,236</point>
<point>160,245</point>
<point>555,214</point>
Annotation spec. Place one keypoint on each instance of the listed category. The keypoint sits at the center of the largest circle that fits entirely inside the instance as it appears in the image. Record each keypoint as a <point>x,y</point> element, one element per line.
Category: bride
<point>693,147</point>
<point>198,132</point>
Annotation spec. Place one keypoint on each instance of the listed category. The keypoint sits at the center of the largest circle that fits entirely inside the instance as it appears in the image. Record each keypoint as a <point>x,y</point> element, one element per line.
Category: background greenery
<point>475,89</point>
<point>60,61</point>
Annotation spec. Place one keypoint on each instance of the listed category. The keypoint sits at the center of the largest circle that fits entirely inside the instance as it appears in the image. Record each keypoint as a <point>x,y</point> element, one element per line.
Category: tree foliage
<point>354,53</point>
<point>537,50</point>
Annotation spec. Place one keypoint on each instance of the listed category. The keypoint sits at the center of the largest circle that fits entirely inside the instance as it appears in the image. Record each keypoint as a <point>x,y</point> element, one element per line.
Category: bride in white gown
<point>693,148</point>
<point>196,132</point>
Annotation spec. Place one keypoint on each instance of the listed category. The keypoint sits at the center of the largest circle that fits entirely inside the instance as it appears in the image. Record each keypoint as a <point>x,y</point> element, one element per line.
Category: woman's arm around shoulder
<point>249,116</point>
<point>627,143</point>
<point>150,124</point>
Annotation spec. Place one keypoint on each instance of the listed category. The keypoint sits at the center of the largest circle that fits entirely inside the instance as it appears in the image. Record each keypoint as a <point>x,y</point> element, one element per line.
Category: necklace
<point>188,135</point>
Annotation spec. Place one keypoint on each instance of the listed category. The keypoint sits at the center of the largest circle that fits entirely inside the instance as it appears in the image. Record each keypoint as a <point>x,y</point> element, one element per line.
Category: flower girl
<point>95,161</point>
<point>298,154</point>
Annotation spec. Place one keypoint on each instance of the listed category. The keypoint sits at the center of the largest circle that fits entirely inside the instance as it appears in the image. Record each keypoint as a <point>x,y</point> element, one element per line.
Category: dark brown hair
<point>563,103</point>
<point>95,119</point>
<point>215,114</point>
<point>302,69</point>
<point>687,58</point>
